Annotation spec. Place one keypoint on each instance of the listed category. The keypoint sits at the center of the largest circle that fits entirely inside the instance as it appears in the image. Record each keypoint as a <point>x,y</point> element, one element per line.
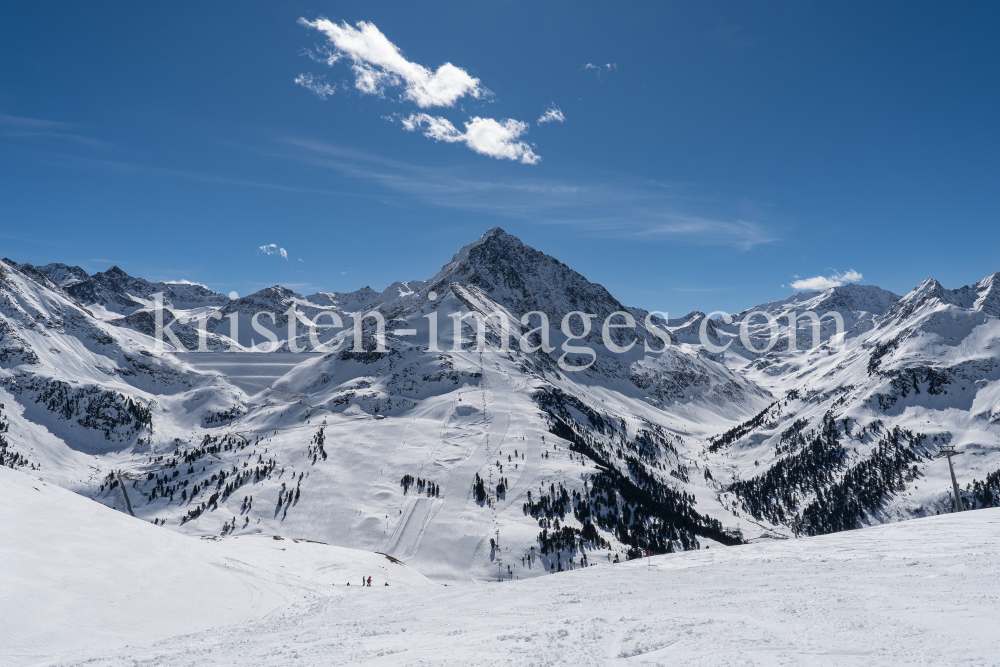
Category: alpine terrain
<point>475,427</point>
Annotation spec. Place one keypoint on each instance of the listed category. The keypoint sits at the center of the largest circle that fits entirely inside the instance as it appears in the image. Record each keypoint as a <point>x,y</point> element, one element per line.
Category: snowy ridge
<point>852,441</point>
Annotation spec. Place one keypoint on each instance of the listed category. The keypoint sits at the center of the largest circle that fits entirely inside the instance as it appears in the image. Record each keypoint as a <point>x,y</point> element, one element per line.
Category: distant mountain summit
<point>63,275</point>
<point>122,294</point>
<point>524,279</point>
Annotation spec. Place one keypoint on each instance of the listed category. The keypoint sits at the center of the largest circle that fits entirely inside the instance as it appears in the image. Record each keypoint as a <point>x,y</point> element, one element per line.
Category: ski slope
<point>82,584</point>
<point>77,577</point>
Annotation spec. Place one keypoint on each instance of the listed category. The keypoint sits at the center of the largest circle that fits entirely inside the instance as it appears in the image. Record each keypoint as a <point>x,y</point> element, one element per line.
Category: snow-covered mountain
<point>117,292</point>
<point>859,307</point>
<point>471,456</point>
<point>853,436</point>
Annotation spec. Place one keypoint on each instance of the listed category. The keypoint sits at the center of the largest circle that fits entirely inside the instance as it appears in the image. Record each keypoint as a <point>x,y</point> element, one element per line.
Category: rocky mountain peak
<point>115,272</point>
<point>930,291</point>
<point>64,275</point>
<point>988,295</point>
<point>866,298</point>
<point>524,279</point>
<point>273,296</point>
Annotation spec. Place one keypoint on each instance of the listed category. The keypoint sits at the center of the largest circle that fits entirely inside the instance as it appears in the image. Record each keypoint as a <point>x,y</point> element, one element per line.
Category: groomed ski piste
<point>87,585</point>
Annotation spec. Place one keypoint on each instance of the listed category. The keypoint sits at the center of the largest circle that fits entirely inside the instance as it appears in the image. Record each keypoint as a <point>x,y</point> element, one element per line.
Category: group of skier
<point>366,582</point>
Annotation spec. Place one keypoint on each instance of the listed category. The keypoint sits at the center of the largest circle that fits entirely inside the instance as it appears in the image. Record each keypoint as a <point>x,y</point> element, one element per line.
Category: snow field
<point>77,577</point>
<point>922,592</point>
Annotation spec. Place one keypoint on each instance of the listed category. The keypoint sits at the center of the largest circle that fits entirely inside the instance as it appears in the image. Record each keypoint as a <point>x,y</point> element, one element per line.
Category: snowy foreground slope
<point>77,577</point>
<point>85,585</point>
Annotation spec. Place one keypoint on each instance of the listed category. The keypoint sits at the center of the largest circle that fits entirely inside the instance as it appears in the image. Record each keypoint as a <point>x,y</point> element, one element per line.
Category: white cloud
<point>273,249</point>
<point>185,282</point>
<point>552,114</point>
<point>820,283</point>
<point>315,84</point>
<point>816,284</point>
<point>486,136</point>
<point>378,64</point>
<point>852,276</point>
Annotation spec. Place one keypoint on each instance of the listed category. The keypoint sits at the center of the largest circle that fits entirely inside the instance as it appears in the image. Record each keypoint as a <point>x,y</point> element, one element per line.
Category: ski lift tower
<point>948,451</point>
<point>499,558</point>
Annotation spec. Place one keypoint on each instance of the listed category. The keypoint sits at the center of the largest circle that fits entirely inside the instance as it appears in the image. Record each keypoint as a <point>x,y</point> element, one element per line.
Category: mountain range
<point>476,459</point>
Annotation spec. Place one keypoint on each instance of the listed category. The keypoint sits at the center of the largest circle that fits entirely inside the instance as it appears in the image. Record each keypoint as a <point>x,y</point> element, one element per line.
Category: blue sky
<point>704,155</point>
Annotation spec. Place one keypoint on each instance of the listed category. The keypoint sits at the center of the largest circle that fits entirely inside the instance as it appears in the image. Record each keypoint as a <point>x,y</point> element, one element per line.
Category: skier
<point>369,582</point>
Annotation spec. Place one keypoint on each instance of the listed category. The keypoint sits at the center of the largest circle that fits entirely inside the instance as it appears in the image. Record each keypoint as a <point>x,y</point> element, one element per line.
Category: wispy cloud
<point>316,84</point>
<point>599,69</point>
<point>198,177</point>
<point>273,249</point>
<point>604,205</point>
<point>498,139</point>
<point>553,114</point>
<point>32,123</point>
<point>820,283</point>
<point>379,64</point>
<point>740,233</point>
<point>34,128</point>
